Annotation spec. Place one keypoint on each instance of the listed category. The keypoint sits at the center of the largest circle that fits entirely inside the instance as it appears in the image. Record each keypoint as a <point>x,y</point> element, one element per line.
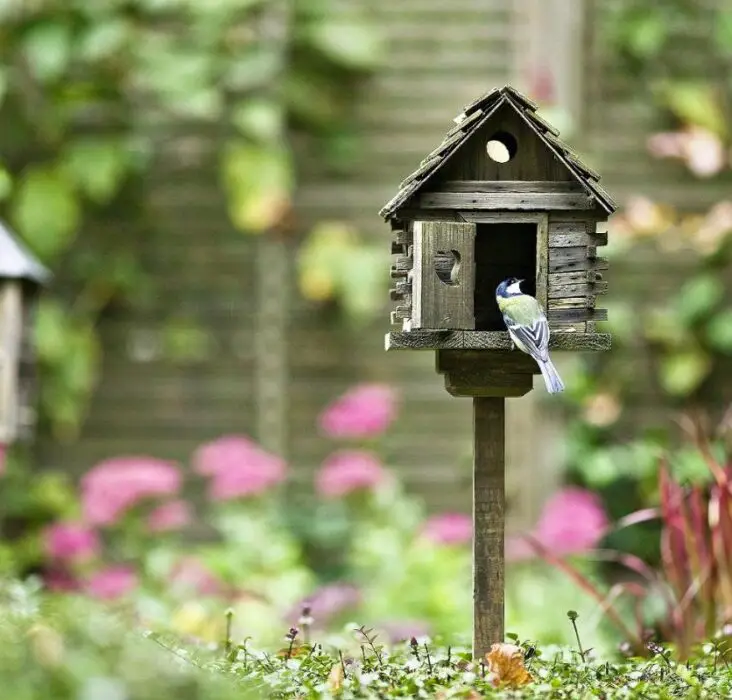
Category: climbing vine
<point>86,91</point>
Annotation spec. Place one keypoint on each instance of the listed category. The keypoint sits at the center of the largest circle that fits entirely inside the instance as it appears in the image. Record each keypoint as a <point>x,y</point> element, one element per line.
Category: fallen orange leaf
<point>506,665</point>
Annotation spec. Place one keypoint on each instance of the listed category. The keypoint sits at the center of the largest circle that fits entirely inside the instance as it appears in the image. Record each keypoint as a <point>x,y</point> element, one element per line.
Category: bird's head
<point>510,287</point>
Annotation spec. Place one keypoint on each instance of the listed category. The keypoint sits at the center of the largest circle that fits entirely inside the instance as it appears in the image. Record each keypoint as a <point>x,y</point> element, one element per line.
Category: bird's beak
<point>520,281</point>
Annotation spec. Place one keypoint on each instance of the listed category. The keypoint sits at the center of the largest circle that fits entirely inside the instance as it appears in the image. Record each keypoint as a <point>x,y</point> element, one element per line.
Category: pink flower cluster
<point>573,521</point>
<point>237,467</point>
<point>172,515</point>
<point>112,582</point>
<point>449,528</point>
<point>347,471</point>
<point>190,574</point>
<point>115,485</point>
<point>70,542</point>
<point>364,411</point>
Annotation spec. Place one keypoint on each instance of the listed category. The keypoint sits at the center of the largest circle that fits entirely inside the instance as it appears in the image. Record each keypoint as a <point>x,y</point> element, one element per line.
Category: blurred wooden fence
<point>268,363</point>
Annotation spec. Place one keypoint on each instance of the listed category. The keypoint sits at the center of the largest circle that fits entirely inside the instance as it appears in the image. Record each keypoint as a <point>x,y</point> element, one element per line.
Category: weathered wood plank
<point>573,315</point>
<point>575,277</point>
<point>465,385</point>
<point>489,515</point>
<point>572,303</point>
<point>542,260</point>
<point>509,361</point>
<point>557,291</point>
<point>11,325</point>
<point>498,217</point>
<point>443,300</point>
<point>575,265</point>
<point>424,340</point>
<point>489,340</point>
<point>511,186</point>
<point>509,201</point>
<point>574,239</point>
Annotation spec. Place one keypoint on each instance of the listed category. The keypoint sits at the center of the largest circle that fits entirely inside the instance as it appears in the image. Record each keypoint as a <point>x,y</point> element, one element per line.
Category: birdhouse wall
<point>11,333</point>
<point>443,275</point>
<point>575,277</point>
<point>532,160</point>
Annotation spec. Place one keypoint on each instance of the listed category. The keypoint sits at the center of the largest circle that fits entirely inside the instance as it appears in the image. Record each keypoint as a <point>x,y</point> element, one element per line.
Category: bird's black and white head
<point>510,287</point>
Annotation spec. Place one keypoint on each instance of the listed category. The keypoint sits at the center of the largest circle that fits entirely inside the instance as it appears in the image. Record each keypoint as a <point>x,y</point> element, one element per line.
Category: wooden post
<point>489,511</point>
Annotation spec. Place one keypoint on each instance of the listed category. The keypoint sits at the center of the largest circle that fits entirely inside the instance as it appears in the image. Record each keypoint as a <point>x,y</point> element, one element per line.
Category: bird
<point>528,328</point>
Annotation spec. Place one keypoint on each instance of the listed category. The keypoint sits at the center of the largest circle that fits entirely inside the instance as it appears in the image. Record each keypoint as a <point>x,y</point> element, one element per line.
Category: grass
<point>68,648</point>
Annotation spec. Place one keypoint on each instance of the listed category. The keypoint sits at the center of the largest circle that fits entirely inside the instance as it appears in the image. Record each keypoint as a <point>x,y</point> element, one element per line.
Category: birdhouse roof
<point>18,263</point>
<point>470,120</point>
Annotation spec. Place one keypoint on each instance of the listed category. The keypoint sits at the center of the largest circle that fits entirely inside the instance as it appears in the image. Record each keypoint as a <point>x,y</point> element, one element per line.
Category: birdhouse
<point>21,277</point>
<point>502,196</point>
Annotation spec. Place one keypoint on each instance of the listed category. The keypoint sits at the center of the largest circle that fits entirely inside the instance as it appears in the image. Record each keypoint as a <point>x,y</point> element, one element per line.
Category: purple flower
<point>238,467</point>
<point>347,471</point>
<point>364,411</point>
<point>449,528</point>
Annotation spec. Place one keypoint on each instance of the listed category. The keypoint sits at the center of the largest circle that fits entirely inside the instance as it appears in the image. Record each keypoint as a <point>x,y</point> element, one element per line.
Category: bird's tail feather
<point>553,381</point>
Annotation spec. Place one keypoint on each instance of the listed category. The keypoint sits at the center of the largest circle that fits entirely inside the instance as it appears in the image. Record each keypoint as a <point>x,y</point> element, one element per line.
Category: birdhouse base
<point>491,340</point>
<point>476,373</point>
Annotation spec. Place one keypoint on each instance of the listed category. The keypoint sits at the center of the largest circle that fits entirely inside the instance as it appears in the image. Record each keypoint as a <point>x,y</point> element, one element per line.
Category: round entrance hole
<point>501,147</point>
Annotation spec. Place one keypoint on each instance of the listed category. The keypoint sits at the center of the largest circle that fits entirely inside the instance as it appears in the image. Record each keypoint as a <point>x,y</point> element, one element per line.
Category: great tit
<point>528,328</point>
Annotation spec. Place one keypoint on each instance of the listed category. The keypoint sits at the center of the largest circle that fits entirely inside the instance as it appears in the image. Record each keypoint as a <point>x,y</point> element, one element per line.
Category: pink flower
<point>364,411</point>
<point>347,471</point>
<point>238,467</point>
<point>70,542</point>
<point>172,515</point>
<point>189,573</point>
<point>112,582</point>
<point>113,486</point>
<point>449,528</point>
<point>573,521</point>
<point>703,152</point>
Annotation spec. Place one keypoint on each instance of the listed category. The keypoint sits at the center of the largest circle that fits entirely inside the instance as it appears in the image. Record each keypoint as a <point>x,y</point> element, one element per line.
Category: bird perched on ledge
<point>528,328</point>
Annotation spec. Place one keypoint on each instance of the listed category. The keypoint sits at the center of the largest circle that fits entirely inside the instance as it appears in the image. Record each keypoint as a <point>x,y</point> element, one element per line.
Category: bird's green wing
<point>527,323</point>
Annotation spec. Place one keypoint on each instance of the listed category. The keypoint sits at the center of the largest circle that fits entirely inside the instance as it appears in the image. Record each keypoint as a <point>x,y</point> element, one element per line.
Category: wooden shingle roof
<point>470,120</point>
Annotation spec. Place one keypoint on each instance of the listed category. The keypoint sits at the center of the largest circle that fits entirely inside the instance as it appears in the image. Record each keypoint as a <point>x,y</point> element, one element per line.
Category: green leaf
<point>320,258</point>
<point>104,39</point>
<point>723,29</point>
<point>47,49</point>
<point>260,119</point>
<point>259,183</point>
<point>646,34</point>
<point>683,372</point>
<point>97,167</point>
<point>698,297</point>
<point>46,211</point>
<point>4,83</point>
<point>363,282</point>
<point>6,184</point>
<point>696,103</point>
<point>50,336</point>
<point>349,44</point>
<point>719,332</point>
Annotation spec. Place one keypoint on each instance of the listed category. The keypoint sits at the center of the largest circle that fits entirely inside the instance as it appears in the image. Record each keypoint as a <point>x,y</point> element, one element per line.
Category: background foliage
<point>91,93</point>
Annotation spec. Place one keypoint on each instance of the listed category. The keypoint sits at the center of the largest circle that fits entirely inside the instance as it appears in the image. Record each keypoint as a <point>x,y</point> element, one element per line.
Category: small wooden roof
<point>470,120</point>
<point>18,263</point>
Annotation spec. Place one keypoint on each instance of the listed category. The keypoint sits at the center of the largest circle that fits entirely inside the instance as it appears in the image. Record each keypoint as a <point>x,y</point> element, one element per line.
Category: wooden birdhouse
<point>21,277</point>
<point>500,197</point>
